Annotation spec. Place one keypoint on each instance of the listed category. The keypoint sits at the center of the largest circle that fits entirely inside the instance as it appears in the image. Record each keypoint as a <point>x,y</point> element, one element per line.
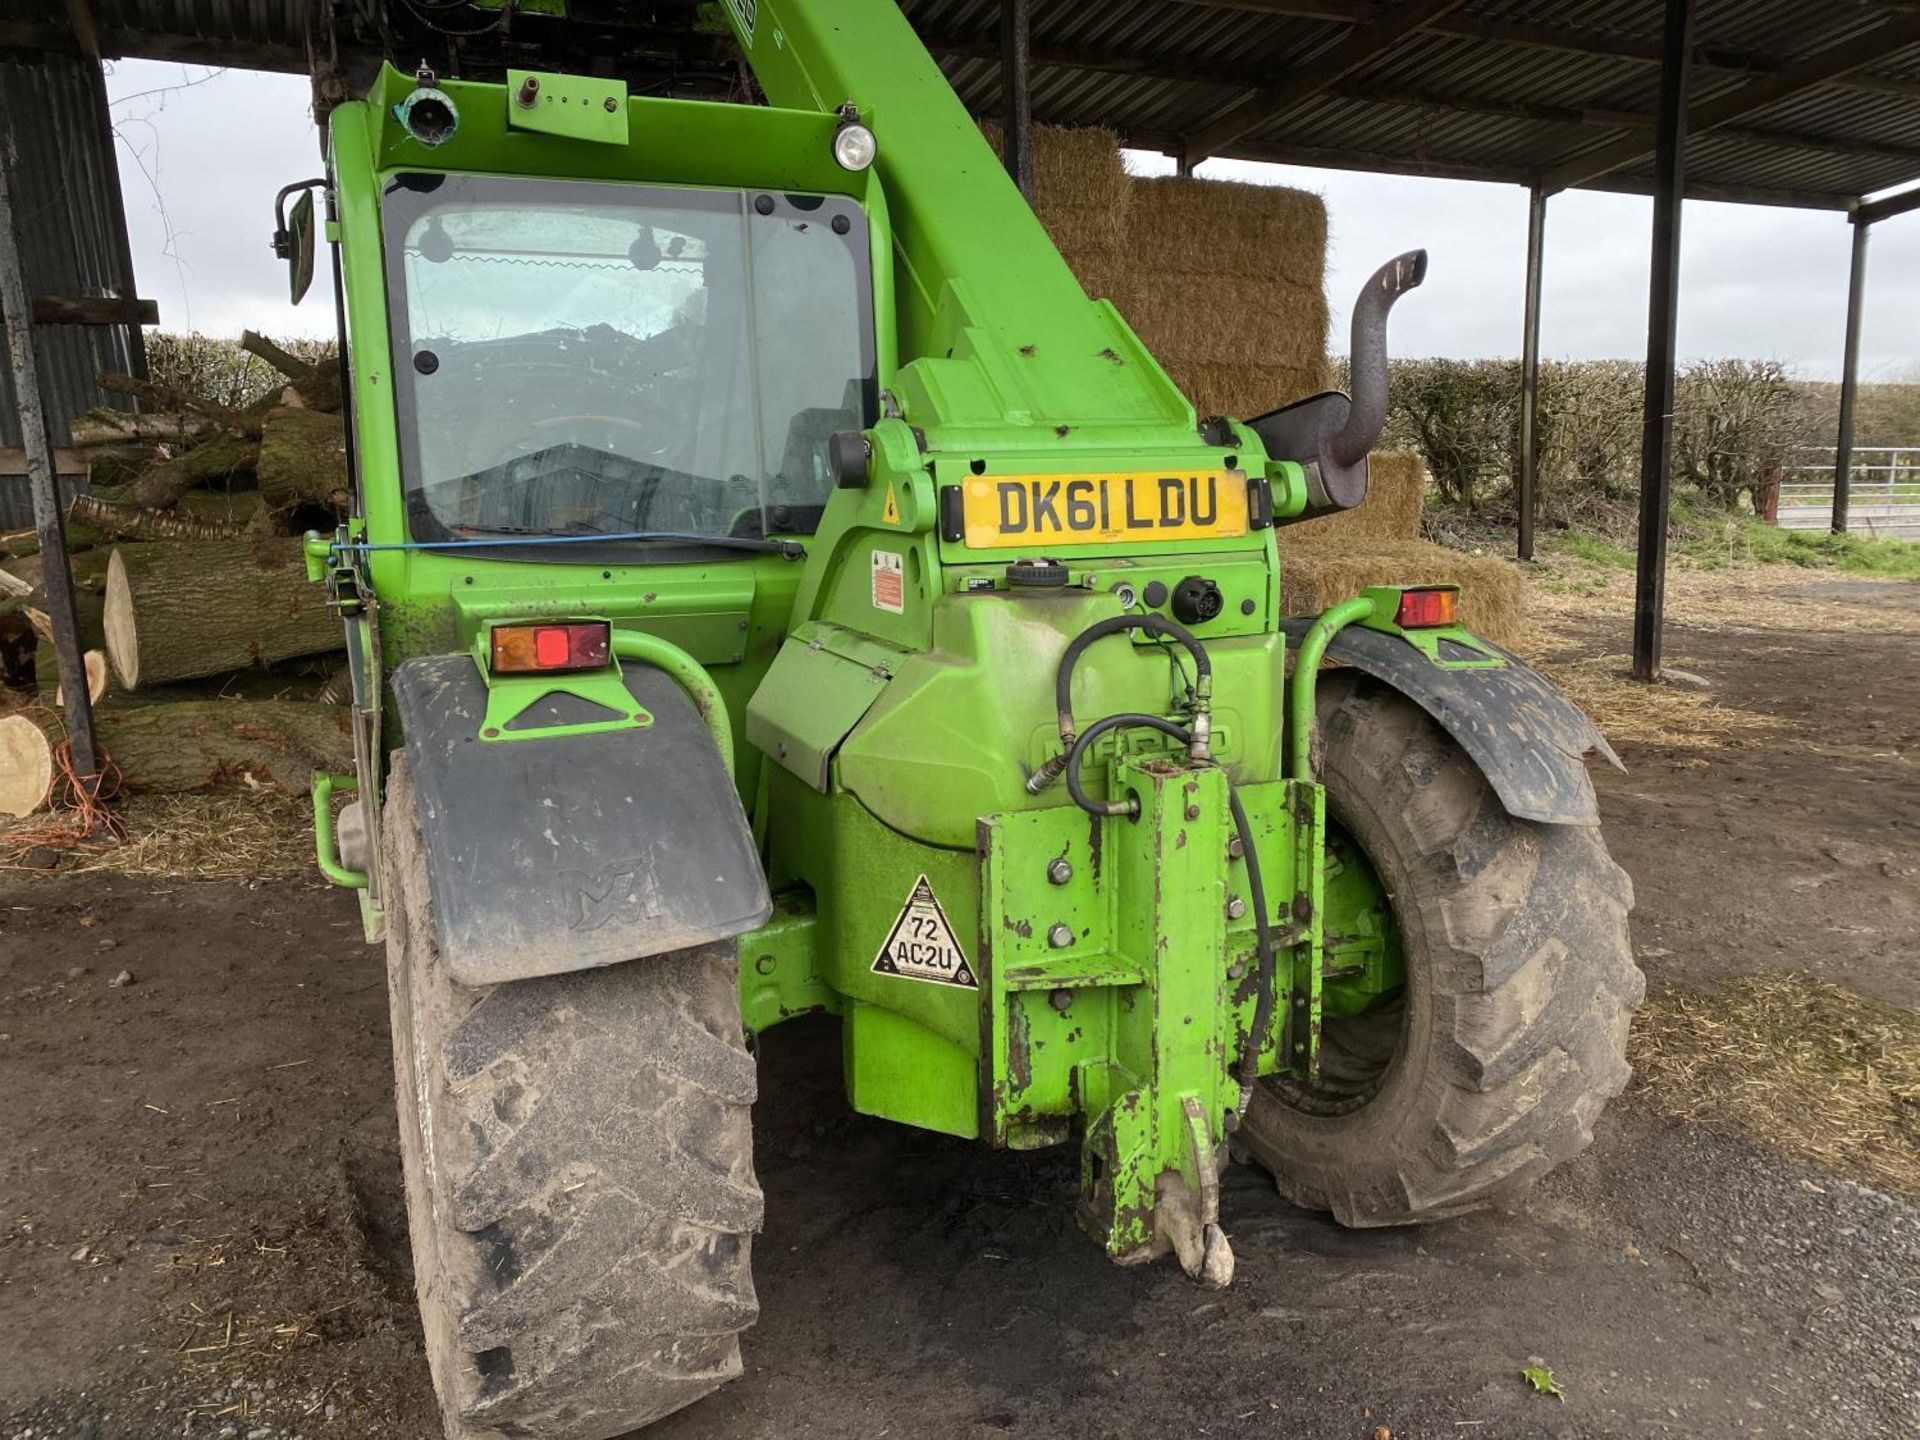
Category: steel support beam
<point>56,576</point>
<point>1872,212</point>
<point>1850,376</point>
<point>1530,373</point>
<point>1663,311</point>
<point>1016,88</point>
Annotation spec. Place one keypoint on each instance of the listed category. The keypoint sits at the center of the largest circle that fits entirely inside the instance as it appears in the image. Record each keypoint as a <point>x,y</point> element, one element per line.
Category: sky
<point>202,153</point>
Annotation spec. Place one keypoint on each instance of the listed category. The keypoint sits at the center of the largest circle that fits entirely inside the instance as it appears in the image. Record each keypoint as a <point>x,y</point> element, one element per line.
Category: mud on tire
<point>1510,1036</point>
<point>579,1176</point>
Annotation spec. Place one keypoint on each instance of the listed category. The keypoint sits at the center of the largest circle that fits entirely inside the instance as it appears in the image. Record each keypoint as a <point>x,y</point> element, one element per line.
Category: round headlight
<point>854,146</point>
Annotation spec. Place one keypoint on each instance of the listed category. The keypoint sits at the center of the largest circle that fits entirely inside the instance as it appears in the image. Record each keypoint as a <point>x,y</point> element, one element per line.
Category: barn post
<point>1663,306</point>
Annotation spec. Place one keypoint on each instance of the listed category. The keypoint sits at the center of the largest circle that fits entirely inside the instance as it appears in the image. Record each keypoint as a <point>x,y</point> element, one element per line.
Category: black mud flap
<point>555,853</point>
<point>1528,739</point>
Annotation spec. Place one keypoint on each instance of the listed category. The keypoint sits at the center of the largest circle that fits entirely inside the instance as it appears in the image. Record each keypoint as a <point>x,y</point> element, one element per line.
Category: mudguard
<point>550,853</point>
<point>1528,739</point>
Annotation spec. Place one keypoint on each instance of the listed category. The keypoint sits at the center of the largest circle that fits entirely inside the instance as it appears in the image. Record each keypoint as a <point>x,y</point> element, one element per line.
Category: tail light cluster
<point>550,649</point>
<point>1426,609</point>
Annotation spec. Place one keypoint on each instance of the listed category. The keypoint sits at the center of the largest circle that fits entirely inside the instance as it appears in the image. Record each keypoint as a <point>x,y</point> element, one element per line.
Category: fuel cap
<point>1037,572</point>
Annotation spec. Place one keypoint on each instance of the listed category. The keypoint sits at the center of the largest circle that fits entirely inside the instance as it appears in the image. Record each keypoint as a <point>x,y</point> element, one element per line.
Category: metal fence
<point>1883,491</point>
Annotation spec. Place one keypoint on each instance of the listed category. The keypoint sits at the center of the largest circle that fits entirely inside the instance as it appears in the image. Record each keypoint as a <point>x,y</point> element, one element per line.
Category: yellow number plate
<point>1050,511</point>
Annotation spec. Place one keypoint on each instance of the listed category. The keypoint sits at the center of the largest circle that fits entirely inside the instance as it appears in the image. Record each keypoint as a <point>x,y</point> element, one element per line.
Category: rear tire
<point>1509,1038</point>
<point>578,1155</point>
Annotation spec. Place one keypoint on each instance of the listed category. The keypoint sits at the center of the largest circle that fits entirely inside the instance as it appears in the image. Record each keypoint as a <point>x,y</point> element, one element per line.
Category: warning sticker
<point>889,582</point>
<point>891,511</point>
<point>922,945</point>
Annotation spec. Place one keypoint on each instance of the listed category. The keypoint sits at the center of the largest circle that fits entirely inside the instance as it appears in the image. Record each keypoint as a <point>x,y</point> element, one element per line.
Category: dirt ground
<point>201,1229</point>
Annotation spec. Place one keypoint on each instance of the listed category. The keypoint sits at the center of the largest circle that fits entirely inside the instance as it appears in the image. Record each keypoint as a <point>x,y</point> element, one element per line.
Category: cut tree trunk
<point>96,666</point>
<point>131,522</point>
<point>303,460</point>
<point>218,457</point>
<point>180,611</point>
<point>117,427</point>
<point>26,765</point>
<point>318,382</point>
<point>169,398</point>
<point>180,745</point>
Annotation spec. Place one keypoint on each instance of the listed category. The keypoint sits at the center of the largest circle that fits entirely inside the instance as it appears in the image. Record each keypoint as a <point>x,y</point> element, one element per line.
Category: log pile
<point>188,577</point>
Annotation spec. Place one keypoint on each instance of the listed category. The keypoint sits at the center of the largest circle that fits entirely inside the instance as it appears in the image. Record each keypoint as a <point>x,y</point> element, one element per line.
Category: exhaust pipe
<point>1330,434</point>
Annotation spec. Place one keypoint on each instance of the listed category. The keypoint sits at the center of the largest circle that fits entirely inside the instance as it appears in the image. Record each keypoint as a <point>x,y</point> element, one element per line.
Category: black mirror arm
<point>282,236</point>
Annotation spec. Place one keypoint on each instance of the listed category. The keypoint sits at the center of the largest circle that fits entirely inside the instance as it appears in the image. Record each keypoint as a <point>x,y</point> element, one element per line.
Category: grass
<point>1716,540</point>
<point>1793,1063</point>
<point>1593,550</point>
<point>1738,540</point>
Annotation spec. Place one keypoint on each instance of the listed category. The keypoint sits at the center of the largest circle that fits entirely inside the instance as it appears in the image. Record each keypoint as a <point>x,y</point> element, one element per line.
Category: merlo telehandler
<point>773,586</point>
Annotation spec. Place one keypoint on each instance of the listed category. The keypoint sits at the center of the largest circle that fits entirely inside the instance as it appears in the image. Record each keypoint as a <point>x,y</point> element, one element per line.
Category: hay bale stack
<point>1396,499</point>
<point>1226,284</point>
<point>1082,194</point>
<point>1327,569</point>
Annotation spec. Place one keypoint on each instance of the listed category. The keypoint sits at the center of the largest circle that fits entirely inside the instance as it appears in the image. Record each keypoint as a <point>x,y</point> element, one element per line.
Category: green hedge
<point>1736,422</point>
<point>216,368</point>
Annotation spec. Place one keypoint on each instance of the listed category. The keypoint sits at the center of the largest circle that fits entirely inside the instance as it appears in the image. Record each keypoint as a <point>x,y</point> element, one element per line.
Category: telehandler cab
<point>774,587</point>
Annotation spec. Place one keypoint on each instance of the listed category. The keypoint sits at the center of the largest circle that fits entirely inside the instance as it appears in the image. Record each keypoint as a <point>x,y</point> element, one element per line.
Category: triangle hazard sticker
<point>891,514</point>
<point>922,946</point>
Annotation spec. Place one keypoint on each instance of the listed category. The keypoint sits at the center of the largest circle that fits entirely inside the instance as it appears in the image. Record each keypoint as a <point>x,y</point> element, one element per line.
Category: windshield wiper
<point>499,536</point>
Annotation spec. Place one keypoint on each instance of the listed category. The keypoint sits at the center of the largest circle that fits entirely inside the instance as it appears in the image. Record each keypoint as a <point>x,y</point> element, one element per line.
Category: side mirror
<point>294,240</point>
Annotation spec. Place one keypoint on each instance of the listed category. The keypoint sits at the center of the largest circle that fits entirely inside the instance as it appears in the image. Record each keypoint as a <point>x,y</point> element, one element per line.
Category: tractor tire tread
<point>1529,977</point>
<point>580,1177</point>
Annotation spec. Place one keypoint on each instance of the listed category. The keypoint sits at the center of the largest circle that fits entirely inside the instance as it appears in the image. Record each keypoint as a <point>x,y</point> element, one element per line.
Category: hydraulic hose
<point>1247,1070</point>
<point>1268,994</point>
<point>1198,740</point>
<point>1126,719</point>
<point>1114,625</point>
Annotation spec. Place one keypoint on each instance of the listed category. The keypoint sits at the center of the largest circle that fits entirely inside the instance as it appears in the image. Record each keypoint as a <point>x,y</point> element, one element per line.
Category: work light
<point>854,146</point>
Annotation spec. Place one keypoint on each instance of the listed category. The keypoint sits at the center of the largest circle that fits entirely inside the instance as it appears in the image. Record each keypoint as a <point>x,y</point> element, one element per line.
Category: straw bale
<point>1263,233</point>
<point>1396,497</point>
<point>1192,318</point>
<point>1082,192</point>
<point>1327,571</point>
<point>1225,284</point>
<point>1242,390</point>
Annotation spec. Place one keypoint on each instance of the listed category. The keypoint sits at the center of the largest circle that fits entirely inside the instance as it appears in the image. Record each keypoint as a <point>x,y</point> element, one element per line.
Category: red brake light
<point>550,648</point>
<point>1425,609</point>
<point>569,645</point>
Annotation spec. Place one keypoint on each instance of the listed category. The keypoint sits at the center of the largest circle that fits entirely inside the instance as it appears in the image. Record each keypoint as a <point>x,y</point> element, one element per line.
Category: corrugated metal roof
<point>1507,90</point>
<point>67,214</point>
<point>1493,89</point>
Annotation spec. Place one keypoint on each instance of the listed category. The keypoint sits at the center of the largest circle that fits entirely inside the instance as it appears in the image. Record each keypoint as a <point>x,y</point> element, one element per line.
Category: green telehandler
<point>774,587</point>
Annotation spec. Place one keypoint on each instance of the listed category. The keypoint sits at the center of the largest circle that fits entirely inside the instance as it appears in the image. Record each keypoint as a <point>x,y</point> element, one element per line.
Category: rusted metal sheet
<point>73,239</point>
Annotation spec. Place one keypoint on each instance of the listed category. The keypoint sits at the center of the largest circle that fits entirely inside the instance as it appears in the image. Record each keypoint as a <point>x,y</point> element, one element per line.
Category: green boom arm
<point>994,328</point>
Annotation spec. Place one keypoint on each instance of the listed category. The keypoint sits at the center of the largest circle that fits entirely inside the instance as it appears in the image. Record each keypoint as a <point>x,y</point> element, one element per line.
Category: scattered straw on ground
<point>1791,1062</point>
<point>1668,715</point>
<point>243,835</point>
<point>1743,600</point>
